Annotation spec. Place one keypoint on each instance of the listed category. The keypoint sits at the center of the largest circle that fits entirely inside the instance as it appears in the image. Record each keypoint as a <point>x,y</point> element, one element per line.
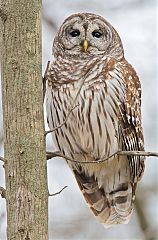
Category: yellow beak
<point>85,45</point>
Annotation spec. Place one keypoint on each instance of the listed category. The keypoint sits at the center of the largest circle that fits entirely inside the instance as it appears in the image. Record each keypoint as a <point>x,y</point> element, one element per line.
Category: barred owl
<point>90,73</point>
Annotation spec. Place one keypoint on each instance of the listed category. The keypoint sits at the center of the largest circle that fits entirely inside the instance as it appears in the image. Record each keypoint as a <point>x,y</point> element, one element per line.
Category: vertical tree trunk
<point>25,167</point>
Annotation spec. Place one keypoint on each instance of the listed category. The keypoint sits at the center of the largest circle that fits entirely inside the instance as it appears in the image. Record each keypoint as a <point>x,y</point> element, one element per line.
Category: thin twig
<point>54,194</point>
<point>59,126</point>
<point>2,192</point>
<point>2,159</point>
<point>119,152</point>
<point>71,107</point>
<point>44,91</point>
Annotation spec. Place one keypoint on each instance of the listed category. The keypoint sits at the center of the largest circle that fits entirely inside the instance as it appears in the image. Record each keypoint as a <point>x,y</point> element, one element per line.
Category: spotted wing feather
<point>132,132</point>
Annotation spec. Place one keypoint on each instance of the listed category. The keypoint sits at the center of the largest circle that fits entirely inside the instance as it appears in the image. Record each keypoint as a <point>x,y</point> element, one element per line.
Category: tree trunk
<point>25,166</point>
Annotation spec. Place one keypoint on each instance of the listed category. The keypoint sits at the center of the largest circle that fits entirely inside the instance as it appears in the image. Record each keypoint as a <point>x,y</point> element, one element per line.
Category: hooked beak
<point>85,45</point>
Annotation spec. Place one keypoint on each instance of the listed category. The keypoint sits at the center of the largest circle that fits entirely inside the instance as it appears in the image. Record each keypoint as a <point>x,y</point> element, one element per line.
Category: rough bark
<point>25,166</point>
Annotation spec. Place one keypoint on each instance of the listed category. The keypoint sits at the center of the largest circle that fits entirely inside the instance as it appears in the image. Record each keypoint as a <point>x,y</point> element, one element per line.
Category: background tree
<point>24,143</point>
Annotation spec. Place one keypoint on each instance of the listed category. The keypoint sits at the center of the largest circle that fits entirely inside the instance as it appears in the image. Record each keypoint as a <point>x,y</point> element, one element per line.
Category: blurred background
<point>69,216</point>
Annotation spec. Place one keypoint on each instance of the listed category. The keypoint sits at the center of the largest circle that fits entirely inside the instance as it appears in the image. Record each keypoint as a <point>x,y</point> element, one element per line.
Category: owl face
<point>86,35</point>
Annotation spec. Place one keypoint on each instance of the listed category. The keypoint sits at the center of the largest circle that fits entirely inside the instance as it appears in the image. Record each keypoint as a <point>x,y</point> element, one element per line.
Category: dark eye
<point>75,33</point>
<point>96,34</point>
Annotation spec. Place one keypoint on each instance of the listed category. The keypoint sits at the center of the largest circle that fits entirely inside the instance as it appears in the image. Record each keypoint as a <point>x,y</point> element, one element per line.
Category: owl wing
<point>130,120</point>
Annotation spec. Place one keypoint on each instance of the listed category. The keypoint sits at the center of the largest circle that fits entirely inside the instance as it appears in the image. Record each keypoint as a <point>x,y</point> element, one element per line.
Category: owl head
<point>87,35</point>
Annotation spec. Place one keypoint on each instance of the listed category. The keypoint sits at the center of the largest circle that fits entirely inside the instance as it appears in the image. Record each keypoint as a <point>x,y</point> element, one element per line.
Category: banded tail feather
<point>110,201</point>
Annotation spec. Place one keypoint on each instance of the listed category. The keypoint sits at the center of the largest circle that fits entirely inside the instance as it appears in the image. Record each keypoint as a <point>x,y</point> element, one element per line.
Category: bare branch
<point>2,159</point>
<point>119,152</point>
<point>59,154</point>
<point>2,192</point>
<point>54,194</point>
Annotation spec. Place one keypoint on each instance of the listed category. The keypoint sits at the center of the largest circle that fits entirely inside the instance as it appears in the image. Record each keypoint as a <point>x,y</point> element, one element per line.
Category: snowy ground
<point>69,217</point>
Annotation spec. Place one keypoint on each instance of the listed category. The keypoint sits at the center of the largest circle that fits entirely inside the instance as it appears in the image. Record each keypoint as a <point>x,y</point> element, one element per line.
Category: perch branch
<point>59,154</point>
<point>119,152</point>
<point>2,192</point>
<point>54,194</point>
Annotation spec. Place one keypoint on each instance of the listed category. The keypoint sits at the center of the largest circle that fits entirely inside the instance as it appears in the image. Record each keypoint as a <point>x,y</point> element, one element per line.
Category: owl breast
<point>92,126</point>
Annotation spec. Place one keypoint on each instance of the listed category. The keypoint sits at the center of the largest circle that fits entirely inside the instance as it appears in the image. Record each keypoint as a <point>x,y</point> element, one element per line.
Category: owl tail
<point>109,208</point>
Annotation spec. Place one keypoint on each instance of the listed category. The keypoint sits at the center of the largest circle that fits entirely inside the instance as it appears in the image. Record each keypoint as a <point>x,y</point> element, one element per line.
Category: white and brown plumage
<point>88,52</point>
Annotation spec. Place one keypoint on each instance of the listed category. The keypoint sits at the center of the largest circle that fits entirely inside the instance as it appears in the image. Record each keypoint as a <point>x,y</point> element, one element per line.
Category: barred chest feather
<point>91,131</point>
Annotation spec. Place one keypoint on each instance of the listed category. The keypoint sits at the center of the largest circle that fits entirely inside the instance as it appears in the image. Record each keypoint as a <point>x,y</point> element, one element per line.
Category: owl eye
<point>75,33</point>
<point>96,34</point>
